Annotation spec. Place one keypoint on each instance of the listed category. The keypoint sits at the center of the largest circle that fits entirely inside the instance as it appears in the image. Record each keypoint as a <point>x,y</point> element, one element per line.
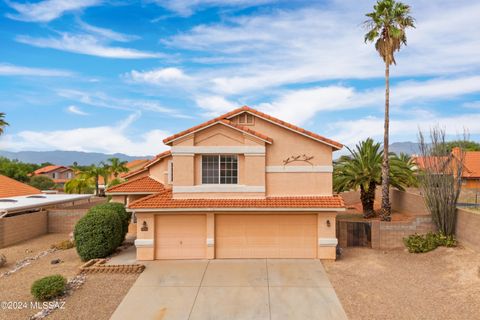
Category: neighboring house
<point>59,174</point>
<point>13,188</point>
<point>243,185</point>
<point>471,165</point>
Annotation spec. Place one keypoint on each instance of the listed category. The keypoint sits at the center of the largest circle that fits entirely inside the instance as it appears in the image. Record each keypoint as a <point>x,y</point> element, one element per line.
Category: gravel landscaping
<point>375,284</point>
<point>97,298</point>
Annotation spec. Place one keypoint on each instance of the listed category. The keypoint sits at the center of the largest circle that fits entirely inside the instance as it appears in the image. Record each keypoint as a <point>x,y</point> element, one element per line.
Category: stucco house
<point>242,185</point>
<point>59,174</point>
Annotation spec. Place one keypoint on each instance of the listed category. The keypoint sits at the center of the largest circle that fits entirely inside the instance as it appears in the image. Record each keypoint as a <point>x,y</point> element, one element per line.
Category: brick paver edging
<point>99,266</point>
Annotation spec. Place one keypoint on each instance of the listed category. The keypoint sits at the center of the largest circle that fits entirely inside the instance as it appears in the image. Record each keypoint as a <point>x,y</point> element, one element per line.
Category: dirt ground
<point>96,299</point>
<point>375,284</point>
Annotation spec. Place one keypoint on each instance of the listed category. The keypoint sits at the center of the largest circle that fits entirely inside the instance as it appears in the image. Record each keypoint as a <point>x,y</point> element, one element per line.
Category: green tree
<point>80,184</point>
<point>115,166</point>
<point>16,170</point>
<point>42,182</point>
<point>363,170</point>
<point>3,123</point>
<point>386,27</point>
<point>95,172</point>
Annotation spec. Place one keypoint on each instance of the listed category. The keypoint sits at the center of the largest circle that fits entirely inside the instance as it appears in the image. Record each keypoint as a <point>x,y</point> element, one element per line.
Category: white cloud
<point>86,44</point>
<point>13,70</point>
<point>47,10</point>
<point>158,76</point>
<point>107,139</point>
<point>215,105</point>
<point>76,110</point>
<point>107,33</point>
<point>186,8</point>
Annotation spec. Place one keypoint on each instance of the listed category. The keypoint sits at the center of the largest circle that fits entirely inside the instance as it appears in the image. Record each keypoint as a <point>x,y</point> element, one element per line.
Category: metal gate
<point>359,234</point>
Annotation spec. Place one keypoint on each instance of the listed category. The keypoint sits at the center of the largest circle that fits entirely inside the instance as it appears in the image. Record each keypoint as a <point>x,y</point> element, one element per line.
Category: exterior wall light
<point>328,223</point>
<point>144,226</point>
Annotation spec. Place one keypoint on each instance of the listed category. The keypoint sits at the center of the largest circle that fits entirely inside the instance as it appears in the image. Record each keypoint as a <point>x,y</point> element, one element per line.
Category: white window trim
<point>217,184</point>
<point>170,172</point>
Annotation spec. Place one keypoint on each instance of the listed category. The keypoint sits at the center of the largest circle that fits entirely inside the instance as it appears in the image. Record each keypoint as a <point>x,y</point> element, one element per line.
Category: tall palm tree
<point>386,27</point>
<point>363,170</point>
<point>82,183</point>
<point>95,172</point>
<point>116,166</point>
<point>3,123</point>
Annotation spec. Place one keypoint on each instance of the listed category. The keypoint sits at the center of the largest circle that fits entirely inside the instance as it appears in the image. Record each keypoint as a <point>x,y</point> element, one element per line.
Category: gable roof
<point>147,164</point>
<point>472,164</point>
<point>13,188</point>
<point>50,168</point>
<point>164,200</point>
<point>215,121</point>
<point>145,185</point>
<point>233,113</point>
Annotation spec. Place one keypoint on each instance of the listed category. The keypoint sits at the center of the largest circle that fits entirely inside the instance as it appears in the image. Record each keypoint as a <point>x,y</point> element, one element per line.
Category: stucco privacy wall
<point>22,227</point>
<point>468,228</point>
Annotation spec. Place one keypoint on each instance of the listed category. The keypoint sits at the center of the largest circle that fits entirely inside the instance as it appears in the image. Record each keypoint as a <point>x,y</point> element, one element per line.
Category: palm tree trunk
<point>386,208</point>
<point>367,197</point>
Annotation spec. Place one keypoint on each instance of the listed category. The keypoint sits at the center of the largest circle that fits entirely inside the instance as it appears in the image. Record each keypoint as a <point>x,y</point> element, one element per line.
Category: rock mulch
<point>25,262</point>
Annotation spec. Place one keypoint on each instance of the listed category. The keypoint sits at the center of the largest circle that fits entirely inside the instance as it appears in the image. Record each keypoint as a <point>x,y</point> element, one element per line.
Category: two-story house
<point>59,174</point>
<point>242,185</point>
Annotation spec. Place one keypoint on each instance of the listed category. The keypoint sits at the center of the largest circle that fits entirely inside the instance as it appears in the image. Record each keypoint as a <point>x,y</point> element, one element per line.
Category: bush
<point>42,182</point>
<point>423,243</point>
<point>99,232</point>
<point>125,216</point>
<point>48,287</point>
<point>63,245</point>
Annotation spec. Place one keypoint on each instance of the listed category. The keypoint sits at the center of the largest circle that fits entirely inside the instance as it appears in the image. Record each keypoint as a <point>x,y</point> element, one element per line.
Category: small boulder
<point>3,260</point>
<point>55,261</point>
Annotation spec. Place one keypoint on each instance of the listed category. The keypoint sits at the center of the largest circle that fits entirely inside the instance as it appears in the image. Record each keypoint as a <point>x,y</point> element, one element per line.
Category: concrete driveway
<point>232,289</point>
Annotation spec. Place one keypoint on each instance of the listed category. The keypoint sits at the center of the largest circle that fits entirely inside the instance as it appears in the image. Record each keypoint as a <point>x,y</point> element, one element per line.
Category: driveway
<point>232,289</point>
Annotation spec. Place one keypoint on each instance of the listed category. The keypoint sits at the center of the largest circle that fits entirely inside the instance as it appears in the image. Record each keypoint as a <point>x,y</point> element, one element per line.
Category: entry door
<point>180,237</point>
<point>266,236</point>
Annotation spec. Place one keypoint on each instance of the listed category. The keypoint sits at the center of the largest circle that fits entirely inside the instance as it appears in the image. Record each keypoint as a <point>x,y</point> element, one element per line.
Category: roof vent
<point>8,200</point>
<point>37,197</point>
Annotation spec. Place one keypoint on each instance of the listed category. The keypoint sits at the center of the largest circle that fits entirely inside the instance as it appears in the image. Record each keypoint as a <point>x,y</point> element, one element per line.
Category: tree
<point>441,179</point>
<point>465,145</point>
<point>363,170</point>
<point>116,166</point>
<point>3,123</point>
<point>95,172</point>
<point>16,170</point>
<point>386,27</point>
<point>42,182</point>
<point>82,183</point>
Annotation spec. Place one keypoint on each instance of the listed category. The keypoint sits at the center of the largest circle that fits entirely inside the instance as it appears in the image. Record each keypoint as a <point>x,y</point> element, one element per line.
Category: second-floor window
<point>219,169</point>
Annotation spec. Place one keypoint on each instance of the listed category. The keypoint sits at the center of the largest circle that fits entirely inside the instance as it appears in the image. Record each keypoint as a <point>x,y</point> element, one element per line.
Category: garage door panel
<point>180,237</point>
<point>266,236</point>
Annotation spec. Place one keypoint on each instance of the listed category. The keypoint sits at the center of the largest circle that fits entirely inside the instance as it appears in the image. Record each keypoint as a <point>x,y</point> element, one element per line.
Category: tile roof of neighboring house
<point>220,120</point>
<point>147,164</point>
<point>235,112</point>
<point>472,164</point>
<point>47,169</point>
<point>164,200</point>
<point>12,188</point>
<point>140,185</point>
<point>136,163</point>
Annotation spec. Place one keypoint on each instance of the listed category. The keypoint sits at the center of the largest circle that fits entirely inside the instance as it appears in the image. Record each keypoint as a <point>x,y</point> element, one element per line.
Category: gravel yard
<point>96,299</point>
<point>441,284</point>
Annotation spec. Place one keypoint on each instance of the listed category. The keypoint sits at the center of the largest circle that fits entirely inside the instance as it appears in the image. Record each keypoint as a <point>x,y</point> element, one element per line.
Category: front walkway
<point>232,289</point>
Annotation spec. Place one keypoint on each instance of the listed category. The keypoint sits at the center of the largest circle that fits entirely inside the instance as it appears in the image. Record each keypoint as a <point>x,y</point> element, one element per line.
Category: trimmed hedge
<point>416,243</point>
<point>101,230</point>
<point>48,287</point>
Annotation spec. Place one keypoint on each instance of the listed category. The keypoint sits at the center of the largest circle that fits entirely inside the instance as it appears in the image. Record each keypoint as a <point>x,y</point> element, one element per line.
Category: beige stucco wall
<point>160,170</point>
<point>145,253</point>
<point>299,184</point>
<point>22,227</point>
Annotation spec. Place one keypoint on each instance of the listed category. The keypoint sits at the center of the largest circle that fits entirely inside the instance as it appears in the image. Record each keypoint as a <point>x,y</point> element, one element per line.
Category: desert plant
<point>98,233</point>
<point>363,170</point>
<point>42,182</point>
<point>386,27</point>
<point>48,287</point>
<point>440,179</point>
<point>416,243</point>
<point>63,245</point>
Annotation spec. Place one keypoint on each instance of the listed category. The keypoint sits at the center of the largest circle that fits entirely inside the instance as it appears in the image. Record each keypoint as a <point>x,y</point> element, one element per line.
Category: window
<point>219,169</point>
<point>245,118</point>
<point>54,175</point>
<point>170,172</point>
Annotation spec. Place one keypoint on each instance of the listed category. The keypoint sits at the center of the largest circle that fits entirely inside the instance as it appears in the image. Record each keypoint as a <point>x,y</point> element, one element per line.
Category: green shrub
<point>98,233</point>
<point>48,287</point>
<point>42,182</point>
<point>125,216</point>
<point>416,243</point>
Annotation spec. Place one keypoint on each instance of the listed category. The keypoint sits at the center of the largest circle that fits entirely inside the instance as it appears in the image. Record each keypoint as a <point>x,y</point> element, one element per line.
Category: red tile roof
<point>47,169</point>
<point>235,112</point>
<point>13,188</point>
<point>164,200</point>
<point>214,121</point>
<point>143,185</point>
<point>471,162</point>
<point>147,164</point>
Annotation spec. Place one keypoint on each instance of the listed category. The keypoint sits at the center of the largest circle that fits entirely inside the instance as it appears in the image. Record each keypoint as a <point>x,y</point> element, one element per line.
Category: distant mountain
<point>65,158</point>
<point>405,147</point>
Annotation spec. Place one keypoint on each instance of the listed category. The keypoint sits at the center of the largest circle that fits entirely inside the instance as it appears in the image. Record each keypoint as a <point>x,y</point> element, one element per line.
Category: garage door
<point>180,237</point>
<point>266,236</point>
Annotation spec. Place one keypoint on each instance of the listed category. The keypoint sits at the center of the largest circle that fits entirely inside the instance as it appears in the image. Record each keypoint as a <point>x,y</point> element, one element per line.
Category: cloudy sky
<point>119,76</point>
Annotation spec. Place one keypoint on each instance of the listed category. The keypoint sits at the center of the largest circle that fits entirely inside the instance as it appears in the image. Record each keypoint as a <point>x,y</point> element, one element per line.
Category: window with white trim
<point>170,172</point>
<point>245,119</point>
<point>219,169</point>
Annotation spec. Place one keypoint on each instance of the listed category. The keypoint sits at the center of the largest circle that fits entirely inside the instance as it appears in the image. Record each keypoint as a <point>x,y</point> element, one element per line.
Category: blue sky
<point>119,76</point>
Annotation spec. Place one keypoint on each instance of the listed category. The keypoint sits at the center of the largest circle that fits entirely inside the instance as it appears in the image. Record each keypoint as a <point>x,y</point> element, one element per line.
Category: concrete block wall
<point>389,235</point>
<point>64,220</point>
<point>22,227</point>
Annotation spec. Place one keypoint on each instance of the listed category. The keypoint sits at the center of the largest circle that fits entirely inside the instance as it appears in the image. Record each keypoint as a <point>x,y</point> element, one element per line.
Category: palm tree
<point>386,27</point>
<point>363,169</point>
<point>95,172</point>
<point>3,123</point>
<point>116,166</point>
<point>82,183</point>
